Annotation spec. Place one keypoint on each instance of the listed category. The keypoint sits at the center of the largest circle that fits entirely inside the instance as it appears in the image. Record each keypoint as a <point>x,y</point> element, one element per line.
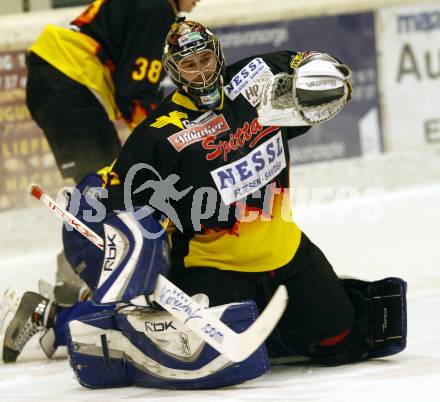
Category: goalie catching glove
<point>317,90</point>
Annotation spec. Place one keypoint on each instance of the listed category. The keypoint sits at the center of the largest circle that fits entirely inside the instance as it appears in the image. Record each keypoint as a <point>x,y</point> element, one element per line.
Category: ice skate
<point>34,314</point>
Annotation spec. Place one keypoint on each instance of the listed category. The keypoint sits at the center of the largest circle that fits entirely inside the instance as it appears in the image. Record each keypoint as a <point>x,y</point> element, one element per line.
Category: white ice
<point>396,234</point>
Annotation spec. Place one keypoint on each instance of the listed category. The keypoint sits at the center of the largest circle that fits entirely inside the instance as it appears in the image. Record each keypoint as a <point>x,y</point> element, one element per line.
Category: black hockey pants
<point>77,127</point>
<point>319,307</point>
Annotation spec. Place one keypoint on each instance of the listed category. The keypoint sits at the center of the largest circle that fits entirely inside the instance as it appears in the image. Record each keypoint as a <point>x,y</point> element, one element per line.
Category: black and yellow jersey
<point>226,177</point>
<point>114,48</point>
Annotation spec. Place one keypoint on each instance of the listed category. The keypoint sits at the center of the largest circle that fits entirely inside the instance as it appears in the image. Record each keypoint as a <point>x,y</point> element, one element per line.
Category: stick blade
<point>251,339</point>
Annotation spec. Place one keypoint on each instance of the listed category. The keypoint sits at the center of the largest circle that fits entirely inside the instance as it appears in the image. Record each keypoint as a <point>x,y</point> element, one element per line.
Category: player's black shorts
<point>77,127</point>
<point>318,306</point>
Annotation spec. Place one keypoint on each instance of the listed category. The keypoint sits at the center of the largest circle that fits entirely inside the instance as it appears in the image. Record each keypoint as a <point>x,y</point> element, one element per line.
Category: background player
<point>106,66</point>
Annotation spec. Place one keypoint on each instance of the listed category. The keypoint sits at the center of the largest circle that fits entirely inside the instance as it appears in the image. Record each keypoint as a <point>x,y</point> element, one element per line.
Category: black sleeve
<point>129,172</point>
<point>139,69</point>
<point>131,34</point>
<point>140,161</point>
<point>277,61</point>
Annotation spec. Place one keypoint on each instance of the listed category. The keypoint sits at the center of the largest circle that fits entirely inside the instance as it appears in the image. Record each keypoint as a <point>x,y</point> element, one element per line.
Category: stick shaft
<point>65,216</point>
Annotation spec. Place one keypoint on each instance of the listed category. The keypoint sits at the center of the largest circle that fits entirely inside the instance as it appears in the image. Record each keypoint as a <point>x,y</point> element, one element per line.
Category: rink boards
<point>394,54</point>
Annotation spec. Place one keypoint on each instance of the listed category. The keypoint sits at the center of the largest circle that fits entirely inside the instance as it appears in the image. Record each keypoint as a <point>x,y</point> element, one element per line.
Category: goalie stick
<point>236,347</point>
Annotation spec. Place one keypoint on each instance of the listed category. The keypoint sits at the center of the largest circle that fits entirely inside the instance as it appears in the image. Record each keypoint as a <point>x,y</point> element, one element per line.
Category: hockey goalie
<point>200,194</point>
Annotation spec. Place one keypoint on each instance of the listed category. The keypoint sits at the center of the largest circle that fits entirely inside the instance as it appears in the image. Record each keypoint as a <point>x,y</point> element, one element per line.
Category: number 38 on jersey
<point>147,69</point>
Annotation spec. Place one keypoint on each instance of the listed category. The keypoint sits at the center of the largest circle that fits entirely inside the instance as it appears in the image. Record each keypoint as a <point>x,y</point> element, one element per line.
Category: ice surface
<point>396,234</point>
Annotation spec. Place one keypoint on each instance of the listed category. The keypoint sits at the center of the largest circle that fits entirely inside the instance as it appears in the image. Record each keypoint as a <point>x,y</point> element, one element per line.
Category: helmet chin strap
<point>197,99</point>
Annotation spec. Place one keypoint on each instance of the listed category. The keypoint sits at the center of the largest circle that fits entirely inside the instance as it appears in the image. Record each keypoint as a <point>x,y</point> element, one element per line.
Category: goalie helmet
<point>194,60</point>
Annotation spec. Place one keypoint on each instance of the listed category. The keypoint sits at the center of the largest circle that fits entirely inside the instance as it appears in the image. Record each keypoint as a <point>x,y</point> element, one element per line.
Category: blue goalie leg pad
<point>66,314</point>
<point>160,352</point>
<point>133,258</point>
<point>189,363</point>
<point>95,364</point>
<point>84,257</point>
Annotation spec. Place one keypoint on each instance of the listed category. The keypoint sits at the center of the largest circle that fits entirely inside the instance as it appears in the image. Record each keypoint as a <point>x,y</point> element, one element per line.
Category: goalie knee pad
<point>136,252</point>
<point>152,349</point>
